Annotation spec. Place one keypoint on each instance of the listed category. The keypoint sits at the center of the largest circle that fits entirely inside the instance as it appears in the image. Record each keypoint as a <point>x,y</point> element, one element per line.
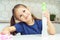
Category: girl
<point>28,24</point>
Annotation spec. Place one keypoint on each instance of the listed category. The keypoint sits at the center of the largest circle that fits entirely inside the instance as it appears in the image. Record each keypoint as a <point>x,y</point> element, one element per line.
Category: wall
<point>6,7</point>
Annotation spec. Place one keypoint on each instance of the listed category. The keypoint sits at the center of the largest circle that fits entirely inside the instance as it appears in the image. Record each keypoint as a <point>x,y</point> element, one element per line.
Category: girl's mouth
<point>27,16</point>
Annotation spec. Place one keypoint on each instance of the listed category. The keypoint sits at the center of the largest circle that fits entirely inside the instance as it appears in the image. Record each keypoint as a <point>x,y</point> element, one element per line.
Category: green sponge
<point>44,6</point>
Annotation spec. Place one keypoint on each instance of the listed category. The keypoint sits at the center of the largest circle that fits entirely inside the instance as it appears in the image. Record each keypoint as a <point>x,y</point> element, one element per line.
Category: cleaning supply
<point>44,19</point>
<point>5,37</point>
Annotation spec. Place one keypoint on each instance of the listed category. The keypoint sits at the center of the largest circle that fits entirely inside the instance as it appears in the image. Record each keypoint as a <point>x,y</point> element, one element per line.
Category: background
<point>35,7</point>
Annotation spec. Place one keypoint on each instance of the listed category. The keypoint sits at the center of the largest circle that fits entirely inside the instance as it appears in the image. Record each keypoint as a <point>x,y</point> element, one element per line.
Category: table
<point>37,37</point>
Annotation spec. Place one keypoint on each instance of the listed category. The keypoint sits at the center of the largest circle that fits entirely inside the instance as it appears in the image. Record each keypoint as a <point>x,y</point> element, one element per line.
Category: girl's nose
<point>24,15</point>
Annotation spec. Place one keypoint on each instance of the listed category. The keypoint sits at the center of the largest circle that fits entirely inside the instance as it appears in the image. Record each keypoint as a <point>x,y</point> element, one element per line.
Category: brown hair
<point>12,22</point>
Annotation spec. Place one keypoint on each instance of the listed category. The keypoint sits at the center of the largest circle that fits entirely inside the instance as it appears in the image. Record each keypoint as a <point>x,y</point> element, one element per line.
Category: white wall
<point>7,5</point>
<point>57,26</point>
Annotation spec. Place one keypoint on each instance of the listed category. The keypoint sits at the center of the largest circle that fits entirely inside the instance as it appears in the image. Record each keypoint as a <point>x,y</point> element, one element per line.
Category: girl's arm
<point>7,30</point>
<point>51,29</point>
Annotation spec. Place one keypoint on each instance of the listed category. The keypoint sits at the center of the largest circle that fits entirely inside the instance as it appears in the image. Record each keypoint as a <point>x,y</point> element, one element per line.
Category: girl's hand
<point>4,32</point>
<point>51,28</point>
<point>47,15</point>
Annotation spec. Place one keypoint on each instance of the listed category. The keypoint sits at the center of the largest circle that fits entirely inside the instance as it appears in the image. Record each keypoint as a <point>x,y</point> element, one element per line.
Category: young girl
<point>28,24</point>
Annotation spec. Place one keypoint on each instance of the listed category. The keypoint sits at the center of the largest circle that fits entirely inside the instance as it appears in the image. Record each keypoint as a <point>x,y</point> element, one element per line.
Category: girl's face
<point>22,14</point>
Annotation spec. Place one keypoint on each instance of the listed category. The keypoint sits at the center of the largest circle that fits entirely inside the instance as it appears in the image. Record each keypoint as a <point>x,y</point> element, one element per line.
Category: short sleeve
<point>40,25</point>
<point>18,27</point>
<point>40,22</point>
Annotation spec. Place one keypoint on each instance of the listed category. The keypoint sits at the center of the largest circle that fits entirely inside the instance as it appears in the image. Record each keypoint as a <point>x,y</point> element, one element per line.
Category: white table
<point>37,37</point>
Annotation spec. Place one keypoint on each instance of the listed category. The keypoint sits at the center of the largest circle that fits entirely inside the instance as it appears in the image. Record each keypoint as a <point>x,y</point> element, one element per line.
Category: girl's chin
<point>27,20</point>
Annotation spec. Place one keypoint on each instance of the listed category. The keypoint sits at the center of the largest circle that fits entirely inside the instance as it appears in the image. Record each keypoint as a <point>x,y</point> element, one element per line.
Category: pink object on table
<point>5,37</point>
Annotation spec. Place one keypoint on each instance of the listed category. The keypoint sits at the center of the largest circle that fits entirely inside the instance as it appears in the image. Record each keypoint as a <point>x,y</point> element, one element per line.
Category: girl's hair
<point>12,22</point>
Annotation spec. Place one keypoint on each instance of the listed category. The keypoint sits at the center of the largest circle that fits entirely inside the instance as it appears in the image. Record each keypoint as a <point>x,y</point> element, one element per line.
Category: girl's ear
<point>17,21</point>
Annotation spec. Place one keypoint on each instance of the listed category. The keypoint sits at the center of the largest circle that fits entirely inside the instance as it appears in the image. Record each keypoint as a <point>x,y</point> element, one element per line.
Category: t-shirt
<point>25,29</point>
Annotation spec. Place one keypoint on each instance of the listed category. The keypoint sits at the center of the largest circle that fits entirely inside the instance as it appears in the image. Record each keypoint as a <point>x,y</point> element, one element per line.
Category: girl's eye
<point>20,15</point>
<point>23,10</point>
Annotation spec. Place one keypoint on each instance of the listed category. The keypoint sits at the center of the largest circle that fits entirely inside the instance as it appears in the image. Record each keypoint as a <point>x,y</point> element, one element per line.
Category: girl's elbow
<point>52,33</point>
